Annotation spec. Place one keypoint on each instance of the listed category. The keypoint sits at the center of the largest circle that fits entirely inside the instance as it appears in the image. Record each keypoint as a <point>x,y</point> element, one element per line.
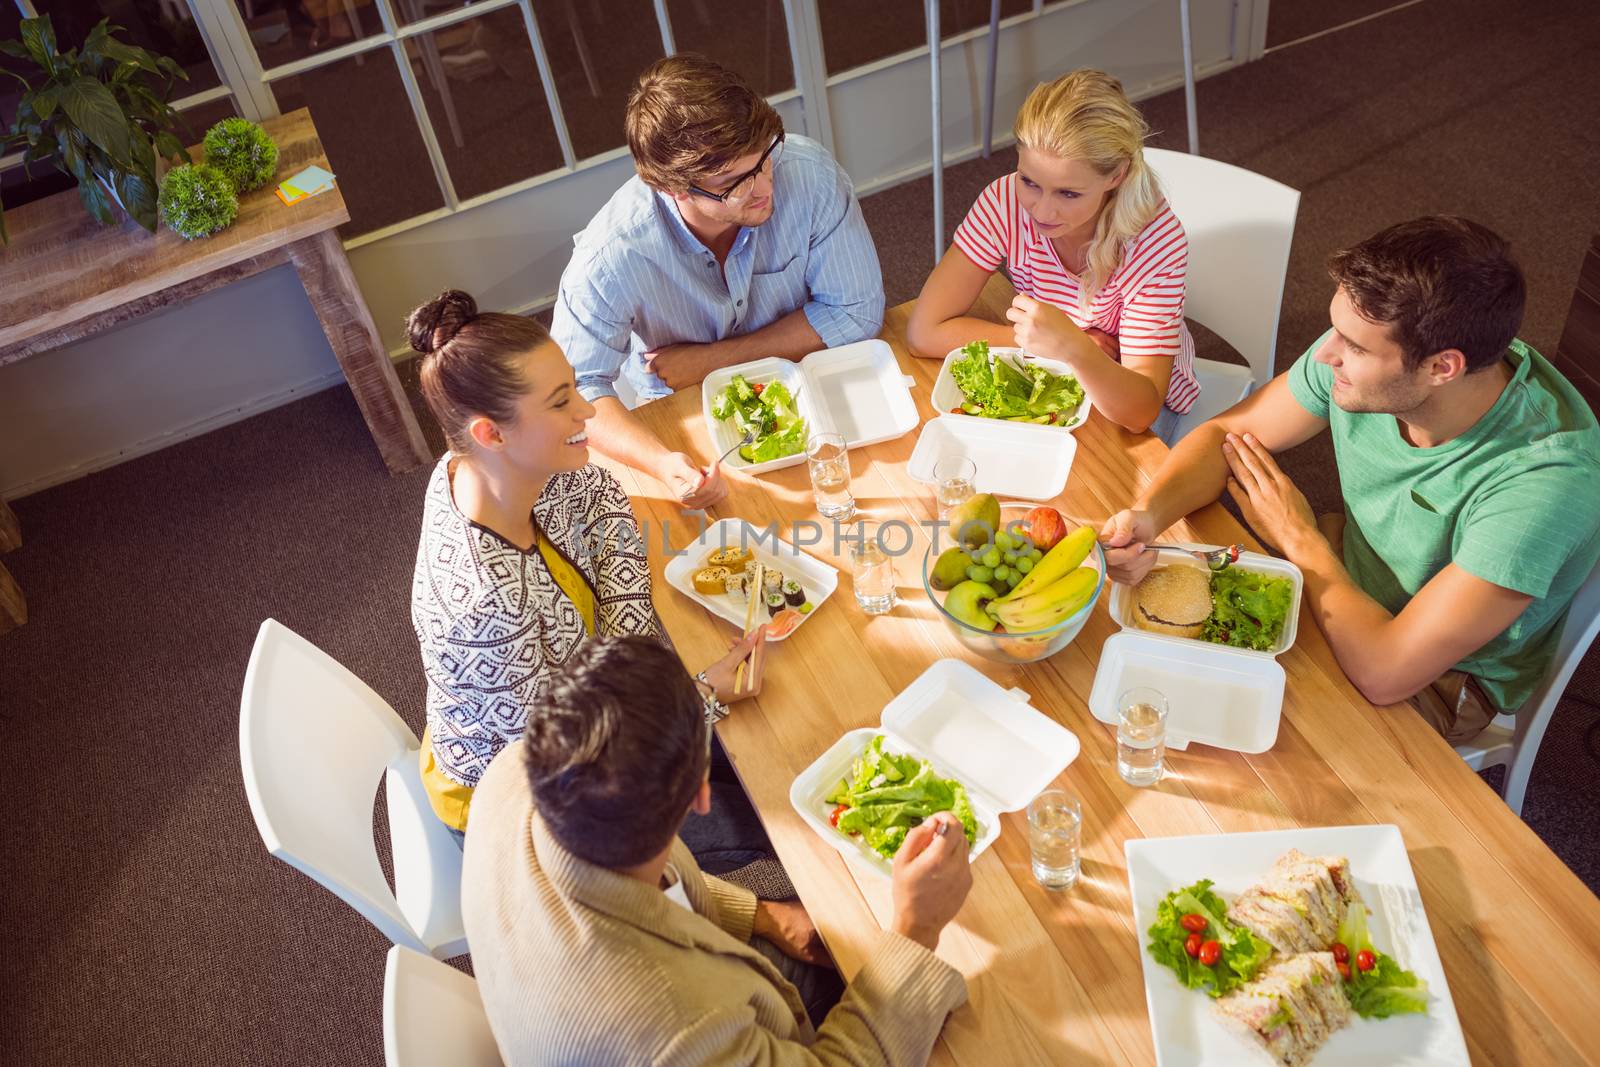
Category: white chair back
<point>432,1015</point>
<point>314,741</point>
<point>1513,741</point>
<point>1240,227</point>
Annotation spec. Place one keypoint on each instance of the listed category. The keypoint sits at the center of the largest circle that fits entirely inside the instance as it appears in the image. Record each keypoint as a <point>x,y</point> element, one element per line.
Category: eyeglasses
<point>746,182</point>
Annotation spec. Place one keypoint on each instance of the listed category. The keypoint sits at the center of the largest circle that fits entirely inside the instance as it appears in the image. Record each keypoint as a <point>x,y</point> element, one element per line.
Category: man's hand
<point>1107,342</point>
<point>1272,505</point>
<point>787,925</point>
<point>694,488</point>
<point>1041,329</point>
<point>1125,536</point>
<point>680,365</point>
<point>720,675</point>
<point>931,879</point>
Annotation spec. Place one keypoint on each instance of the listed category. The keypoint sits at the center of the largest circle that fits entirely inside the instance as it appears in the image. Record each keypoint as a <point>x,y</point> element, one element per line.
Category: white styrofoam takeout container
<point>1216,695</point>
<point>855,390</point>
<point>947,395</point>
<point>989,739</point>
<point>817,578</point>
<point>1011,459</point>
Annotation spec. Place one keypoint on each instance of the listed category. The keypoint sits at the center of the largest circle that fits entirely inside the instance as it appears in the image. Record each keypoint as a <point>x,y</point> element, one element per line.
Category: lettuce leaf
<point>994,388</point>
<point>1248,610</point>
<point>1388,989</point>
<point>887,795</point>
<point>1242,952</point>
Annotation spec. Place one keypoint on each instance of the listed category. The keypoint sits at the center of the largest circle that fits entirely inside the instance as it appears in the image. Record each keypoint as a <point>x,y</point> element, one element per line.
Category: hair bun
<point>433,325</point>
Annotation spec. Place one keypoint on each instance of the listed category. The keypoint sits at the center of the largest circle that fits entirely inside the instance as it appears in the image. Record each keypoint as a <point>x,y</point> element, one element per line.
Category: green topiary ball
<point>242,150</point>
<point>197,200</point>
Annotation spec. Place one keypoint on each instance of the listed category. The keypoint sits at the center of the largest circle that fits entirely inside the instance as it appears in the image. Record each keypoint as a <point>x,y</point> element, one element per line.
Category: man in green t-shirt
<point>1469,466</point>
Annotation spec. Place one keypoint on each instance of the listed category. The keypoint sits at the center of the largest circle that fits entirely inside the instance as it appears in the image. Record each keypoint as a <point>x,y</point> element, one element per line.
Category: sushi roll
<point>775,603</point>
<point>736,586</point>
<point>772,581</point>
<point>793,595</point>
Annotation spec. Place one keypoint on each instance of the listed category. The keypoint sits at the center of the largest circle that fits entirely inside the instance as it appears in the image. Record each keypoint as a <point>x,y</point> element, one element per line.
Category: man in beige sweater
<point>597,940</point>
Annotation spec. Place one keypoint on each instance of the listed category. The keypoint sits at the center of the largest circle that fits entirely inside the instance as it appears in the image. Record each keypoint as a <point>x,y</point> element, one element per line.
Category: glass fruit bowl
<point>999,644</point>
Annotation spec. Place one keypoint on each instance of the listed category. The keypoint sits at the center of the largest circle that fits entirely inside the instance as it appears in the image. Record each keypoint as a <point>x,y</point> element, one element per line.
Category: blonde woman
<point>1097,257</point>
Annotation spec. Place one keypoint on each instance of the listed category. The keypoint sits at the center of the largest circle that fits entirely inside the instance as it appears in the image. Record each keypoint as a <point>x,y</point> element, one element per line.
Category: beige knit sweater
<point>580,965</point>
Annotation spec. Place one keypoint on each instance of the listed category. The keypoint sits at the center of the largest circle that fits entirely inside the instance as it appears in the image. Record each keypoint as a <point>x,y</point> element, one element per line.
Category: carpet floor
<point>152,928</point>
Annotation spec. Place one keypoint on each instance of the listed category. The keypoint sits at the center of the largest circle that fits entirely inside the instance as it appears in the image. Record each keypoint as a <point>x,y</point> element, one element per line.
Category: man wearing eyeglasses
<point>734,242</point>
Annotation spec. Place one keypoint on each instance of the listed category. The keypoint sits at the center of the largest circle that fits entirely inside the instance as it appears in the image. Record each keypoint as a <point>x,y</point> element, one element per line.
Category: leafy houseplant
<point>94,114</point>
<point>243,151</point>
<point>197,200</point>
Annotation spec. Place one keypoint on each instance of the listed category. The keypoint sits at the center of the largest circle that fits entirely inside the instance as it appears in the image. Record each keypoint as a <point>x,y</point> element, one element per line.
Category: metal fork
<point>1218,559</point>
<point>749,437</point>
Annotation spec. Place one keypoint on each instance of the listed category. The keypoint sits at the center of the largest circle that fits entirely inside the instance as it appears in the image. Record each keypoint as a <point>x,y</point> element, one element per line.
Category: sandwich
<point>1291,1008</point>
<point>1300,904</point>
<point>1173,600</point>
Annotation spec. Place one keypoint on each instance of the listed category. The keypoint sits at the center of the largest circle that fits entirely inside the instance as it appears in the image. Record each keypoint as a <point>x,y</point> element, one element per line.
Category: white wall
<point>147,384</point>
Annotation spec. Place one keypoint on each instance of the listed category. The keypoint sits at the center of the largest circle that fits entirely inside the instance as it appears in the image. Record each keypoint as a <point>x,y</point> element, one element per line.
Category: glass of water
<point>871,570</point>
<point>1055,821</point>
<point>954,478</point>
<point>829,462</point>
<point>1141,735</point>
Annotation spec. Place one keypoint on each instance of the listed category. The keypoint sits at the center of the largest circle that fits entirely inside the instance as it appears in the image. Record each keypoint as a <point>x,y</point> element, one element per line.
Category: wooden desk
<point>1055,978</point>
<point>65,277</point>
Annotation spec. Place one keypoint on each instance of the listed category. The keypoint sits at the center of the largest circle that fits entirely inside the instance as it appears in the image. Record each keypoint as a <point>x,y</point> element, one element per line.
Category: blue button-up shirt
<point>639,280</point>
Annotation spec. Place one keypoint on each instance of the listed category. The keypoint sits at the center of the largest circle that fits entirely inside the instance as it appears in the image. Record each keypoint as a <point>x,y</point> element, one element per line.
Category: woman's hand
<point>1042,329</point>
<point>720,675</point>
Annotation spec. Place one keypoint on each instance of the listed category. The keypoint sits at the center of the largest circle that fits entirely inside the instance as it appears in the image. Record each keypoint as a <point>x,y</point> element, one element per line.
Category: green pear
<point>975,521</point>
<point>950,570</point>
<point>966,603</point>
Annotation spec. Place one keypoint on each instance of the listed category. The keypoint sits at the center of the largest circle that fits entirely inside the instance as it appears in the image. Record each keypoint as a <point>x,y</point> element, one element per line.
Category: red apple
<point>1046,527</point>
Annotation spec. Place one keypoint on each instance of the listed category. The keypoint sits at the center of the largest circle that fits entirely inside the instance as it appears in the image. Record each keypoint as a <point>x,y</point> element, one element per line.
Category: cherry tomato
<point>1191,945</point>
<point>1344,970</point>
<point>1365,960</point>
<point>1209,952</point>
<point>1195,924</point>
<point>833,820</point>
<point>957,411</point>
<point>756,388</point>
<point>1341,954</point>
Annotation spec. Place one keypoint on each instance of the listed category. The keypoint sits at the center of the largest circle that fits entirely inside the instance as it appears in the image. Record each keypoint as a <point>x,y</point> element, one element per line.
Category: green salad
<point>994,388</point>
<point>887,795</point>
<point>1248,610</point>
<point>1386,988</point>
<point>1242,953</point>
<point>768,411</point>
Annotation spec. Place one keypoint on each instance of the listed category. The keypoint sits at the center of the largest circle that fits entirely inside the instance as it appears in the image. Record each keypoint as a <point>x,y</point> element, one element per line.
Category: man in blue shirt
<point>734,242</point>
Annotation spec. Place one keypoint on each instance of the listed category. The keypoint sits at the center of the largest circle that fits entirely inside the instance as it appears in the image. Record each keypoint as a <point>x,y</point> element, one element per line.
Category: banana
<point>1068,553</point>
<point>1049,606</point>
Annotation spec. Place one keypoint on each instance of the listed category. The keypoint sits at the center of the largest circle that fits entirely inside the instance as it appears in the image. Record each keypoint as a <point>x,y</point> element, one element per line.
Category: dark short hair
<point>471,362</point>
<point>617,750</point>
<point>690,118</point>
<point>1437,282</point>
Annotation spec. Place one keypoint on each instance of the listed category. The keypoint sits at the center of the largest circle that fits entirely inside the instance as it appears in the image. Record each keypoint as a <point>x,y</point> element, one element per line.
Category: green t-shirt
<point>1515,501</point>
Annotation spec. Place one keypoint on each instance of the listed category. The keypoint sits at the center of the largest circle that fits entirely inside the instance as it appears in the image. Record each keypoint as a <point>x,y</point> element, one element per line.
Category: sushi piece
<point>1291,1008</point>
<point>793,595</point>
<point>1299,905</point>
<point>772,580</point>
<point>732,558</point>
<point>711,580</point>
<point>775,603</point>
<point>736,585</point>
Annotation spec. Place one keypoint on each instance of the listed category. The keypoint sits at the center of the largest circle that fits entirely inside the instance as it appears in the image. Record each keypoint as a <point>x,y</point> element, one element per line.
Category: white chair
<point>1240,226</point>
<point>1512,741</point>
<point>313,741</point>
<point>432,1014</point>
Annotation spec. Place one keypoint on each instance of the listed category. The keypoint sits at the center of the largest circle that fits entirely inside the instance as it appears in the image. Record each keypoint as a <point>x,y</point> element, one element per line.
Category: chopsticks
<point>749,624</point>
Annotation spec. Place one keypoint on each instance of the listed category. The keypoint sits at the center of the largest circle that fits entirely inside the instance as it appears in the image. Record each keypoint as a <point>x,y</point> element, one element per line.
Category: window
<point>751,38</point>
<point>854,33</point>
<point>596,51</point>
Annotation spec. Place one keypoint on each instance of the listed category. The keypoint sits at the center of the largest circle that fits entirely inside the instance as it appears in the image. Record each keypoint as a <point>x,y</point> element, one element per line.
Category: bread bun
<point>1173,600</point>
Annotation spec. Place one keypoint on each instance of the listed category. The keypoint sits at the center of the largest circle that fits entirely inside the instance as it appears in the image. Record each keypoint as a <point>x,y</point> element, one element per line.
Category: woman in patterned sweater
<point>1097,256</point>
<point>527,548</point>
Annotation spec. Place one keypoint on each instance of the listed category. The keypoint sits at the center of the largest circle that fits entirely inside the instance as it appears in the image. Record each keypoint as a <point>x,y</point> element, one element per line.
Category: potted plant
<point>96,114</point>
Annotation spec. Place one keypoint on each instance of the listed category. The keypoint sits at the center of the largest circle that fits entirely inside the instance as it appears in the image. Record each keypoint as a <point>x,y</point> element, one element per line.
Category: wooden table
<point>1055,977</point>
<point>65,277</point>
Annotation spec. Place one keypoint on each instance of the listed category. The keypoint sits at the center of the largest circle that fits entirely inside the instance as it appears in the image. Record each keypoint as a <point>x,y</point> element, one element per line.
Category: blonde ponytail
<point>1086,116</point>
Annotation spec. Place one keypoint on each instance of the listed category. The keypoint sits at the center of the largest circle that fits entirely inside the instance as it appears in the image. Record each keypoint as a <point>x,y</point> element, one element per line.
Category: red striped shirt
<point>1141,304</point>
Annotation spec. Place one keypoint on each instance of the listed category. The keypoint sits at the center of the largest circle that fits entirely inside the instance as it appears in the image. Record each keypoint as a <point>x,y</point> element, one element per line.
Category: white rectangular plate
<point>1216,696</point>
<point>1186,1034</point>
<point>947,394</point>
<point>1011,459</point>
<point>817,578</point>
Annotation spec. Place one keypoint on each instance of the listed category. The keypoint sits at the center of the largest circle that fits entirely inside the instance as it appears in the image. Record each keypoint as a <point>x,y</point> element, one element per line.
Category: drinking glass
<point>954,477</point>
<point>829,462</point>
<point>871,570</point>
<point>1055,820</point>
<point>1141,735</point>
